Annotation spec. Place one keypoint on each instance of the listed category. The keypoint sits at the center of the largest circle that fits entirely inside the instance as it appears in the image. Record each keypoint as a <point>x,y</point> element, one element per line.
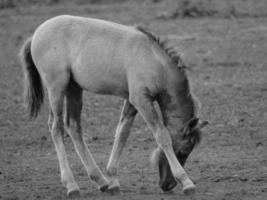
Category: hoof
<point>189,190</point>
<point>112,188</point>
<point>74,193</point>
<point>103,188</point>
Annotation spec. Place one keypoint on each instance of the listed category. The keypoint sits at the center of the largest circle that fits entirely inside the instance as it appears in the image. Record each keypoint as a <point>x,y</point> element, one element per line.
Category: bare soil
<point>229,76</point>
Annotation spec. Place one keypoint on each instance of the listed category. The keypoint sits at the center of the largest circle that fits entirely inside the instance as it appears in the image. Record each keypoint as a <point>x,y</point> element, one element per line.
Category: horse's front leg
<point>144,104</point>
<point>122,132</point>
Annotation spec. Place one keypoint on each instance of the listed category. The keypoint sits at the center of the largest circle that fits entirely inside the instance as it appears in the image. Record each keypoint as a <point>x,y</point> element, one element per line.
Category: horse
<point>70,54</point>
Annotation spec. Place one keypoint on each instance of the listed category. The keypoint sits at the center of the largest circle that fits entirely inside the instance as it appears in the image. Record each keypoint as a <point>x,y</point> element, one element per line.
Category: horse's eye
<point>187,146</point>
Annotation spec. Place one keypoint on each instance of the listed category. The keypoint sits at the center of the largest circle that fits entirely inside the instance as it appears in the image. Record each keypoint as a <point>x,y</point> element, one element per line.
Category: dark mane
<point>195,135</point>
<point>169,50</point>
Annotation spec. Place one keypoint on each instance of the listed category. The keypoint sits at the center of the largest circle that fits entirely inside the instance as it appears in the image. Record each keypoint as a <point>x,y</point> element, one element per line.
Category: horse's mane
<point>164,44</point>
<point>176,58</point>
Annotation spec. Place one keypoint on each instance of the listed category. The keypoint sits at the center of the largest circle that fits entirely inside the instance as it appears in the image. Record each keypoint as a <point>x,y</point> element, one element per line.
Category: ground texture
<point>228,64</point>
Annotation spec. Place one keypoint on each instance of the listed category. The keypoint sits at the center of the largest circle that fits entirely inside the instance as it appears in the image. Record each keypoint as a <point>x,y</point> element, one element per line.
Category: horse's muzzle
<point>167,186</point>
<point>167,181</point>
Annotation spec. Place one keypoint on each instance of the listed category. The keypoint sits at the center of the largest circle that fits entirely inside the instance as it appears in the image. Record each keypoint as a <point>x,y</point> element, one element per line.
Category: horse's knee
<point>74,130</point>
<point>57,128</point>
<point>73,124</point>
<point>163,139</point>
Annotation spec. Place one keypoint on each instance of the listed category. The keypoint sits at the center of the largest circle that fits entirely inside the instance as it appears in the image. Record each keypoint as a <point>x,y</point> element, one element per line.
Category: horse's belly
<point>100,80</point>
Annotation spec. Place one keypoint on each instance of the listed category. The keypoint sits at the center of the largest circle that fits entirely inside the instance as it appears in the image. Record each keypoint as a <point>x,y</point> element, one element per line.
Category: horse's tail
<point>33,89</point>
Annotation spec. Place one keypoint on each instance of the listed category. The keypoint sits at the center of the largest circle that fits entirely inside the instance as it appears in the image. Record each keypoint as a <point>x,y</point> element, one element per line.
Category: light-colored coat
<point>94,51</point>
<point>70,54</point>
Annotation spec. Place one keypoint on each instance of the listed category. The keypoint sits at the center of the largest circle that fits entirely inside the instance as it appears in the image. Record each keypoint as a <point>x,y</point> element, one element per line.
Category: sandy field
<point>228,60</point>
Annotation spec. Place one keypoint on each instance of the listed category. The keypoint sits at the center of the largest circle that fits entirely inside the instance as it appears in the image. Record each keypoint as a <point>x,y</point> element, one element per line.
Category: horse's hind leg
<point>122,132</point>
<point>73,125</point>
<point>56,125</point>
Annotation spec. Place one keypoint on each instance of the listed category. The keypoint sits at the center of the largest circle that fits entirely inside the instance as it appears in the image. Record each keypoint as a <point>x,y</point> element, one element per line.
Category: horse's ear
<point>193,123</point>
<point>202,124</point>
<point>190,125</point>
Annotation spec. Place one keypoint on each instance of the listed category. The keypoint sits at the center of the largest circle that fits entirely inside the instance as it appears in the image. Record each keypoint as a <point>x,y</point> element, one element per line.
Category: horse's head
<point>183,146</point>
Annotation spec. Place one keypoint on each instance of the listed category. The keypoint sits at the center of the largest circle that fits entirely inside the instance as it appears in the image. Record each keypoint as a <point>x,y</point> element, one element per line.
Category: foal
<point>69,54</point>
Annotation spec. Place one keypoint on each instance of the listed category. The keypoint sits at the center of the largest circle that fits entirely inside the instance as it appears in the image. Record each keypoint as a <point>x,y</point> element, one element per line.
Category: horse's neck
<point>176,103</point>
<point>175,99</point>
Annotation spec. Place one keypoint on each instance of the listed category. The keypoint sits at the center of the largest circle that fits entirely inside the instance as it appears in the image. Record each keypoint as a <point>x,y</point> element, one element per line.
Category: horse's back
<point>74,34</point>
<point>94,51</point>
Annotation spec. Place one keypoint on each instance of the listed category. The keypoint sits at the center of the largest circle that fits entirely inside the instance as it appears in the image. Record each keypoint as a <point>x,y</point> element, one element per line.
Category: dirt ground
<point>229,76</point>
